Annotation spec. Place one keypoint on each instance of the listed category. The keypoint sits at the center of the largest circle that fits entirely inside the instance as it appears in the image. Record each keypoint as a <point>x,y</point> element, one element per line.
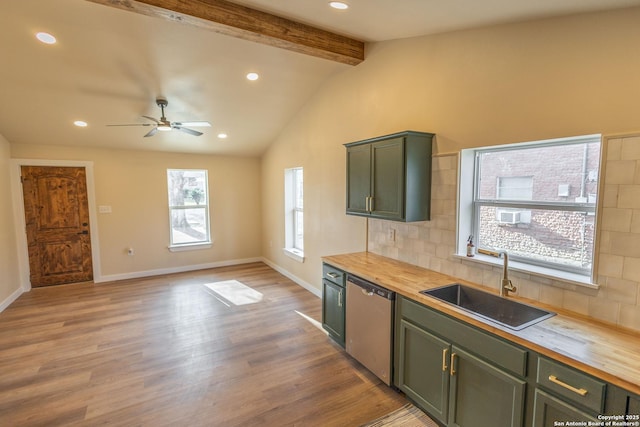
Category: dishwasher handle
<point>371,289</point>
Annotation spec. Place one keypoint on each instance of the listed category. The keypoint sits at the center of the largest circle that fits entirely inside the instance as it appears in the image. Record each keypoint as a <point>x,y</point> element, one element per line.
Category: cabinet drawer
<point>571,384</point>
<point>333,274</point>
<point>491,348</point>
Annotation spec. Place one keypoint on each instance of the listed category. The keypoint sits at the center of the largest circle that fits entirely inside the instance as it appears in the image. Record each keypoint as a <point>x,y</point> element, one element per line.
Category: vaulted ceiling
<point>114,57</point>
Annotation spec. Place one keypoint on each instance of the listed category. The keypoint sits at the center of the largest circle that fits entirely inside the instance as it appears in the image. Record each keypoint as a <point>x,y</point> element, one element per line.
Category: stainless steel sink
<point>506,312</point>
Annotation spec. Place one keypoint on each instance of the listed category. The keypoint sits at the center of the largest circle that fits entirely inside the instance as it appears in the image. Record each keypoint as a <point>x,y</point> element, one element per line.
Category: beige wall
<point>134,185</point>
<point>511,83</point>
<point>9,283</point>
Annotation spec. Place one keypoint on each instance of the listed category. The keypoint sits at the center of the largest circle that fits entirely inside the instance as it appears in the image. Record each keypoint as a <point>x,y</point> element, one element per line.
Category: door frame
<point>18,214</point>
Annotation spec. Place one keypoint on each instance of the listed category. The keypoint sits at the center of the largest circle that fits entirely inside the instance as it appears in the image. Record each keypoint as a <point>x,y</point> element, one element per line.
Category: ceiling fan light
<point>164,127</point>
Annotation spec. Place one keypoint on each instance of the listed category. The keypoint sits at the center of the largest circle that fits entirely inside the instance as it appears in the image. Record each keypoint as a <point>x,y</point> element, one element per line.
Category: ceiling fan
<point>165,125</point>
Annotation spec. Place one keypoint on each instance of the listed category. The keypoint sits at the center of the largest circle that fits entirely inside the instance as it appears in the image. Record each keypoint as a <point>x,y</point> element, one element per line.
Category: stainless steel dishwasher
<point>369,326</point>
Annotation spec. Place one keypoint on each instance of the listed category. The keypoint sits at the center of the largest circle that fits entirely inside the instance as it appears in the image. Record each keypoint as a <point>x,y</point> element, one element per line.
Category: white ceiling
<point>109,65</point>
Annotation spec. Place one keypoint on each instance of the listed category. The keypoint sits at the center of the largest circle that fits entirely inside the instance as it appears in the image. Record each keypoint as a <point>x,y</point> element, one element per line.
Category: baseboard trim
<point>11,298</point>
<point>149,273</point>
<point>181,269</point>
<point>317,292</point>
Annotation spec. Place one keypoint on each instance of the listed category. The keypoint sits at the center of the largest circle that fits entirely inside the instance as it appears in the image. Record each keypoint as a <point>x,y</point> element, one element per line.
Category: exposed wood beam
<point>240,21</point>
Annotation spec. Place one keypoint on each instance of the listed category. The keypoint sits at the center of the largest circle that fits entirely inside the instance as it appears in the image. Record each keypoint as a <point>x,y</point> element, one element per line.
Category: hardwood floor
<point>170,351</point>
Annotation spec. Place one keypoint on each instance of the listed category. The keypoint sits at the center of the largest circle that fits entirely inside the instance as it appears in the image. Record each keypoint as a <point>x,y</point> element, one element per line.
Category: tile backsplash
<point>432,244</point>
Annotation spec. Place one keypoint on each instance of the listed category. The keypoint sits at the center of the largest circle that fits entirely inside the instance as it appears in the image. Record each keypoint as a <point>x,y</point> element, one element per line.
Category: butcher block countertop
<point>600,349</point>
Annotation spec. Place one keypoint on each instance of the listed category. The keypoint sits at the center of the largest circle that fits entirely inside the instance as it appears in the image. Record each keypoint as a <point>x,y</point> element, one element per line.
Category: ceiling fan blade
<point>152,119</point>
<point>133,124</point>
<point>187,130</point>
<point>193,124</point>
<point>151,132</point>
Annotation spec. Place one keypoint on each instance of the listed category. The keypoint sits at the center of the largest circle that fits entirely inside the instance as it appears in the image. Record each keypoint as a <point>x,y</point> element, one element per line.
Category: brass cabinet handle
<point>555,380</point>
<point>333,275</point>
<point>453,364</point>
<point>371,204</point>
<point>340,298</point>
<point>444,359</point>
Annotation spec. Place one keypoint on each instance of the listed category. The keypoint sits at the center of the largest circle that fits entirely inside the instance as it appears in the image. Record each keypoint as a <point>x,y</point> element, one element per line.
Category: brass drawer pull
<point>444,359</point>
<point>333,275</point>
<point>555,380</point>
<point>453,364</point>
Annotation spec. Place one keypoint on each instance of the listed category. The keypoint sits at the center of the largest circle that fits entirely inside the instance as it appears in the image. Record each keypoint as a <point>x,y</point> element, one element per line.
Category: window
<point>294,214</point>
<point>535,200</point>
<point>188,207</point>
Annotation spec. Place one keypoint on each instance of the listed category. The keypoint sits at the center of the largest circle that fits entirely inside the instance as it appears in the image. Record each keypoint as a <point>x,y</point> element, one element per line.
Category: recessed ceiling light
<point>46,38</point>
<point>338,5</point>
<point>80,124</point>
<point>253,76</point>
<point>222,135</point>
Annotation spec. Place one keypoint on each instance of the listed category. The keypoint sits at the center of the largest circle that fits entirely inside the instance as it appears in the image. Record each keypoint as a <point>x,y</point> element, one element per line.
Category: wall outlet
<point>130,251</point>
<point>391,234</point>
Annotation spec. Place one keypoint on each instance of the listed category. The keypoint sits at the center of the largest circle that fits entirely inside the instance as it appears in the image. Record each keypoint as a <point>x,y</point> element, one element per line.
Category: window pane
<point>299,230</point>
<point>558,237</point>
<point>298,188</point>
<point>189,225</point>
<point>187,187</point>
<point>552,173</point>
<point>515,188</point>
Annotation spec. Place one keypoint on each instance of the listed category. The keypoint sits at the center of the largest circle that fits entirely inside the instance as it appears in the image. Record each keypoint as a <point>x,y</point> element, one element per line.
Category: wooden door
<point>57,219</point>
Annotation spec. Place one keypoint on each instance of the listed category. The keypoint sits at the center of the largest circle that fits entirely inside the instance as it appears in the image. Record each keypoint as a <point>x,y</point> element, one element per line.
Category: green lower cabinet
<point>634,405</point>
<point>423,373</point>
<point>483,395</point>
<point>549,411</point>
<point>454,386</point>
<point>333,310</point>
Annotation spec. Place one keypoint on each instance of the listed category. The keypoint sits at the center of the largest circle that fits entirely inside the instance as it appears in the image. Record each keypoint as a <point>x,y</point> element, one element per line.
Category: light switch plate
<point>104,209</point>
<point>391,235</point>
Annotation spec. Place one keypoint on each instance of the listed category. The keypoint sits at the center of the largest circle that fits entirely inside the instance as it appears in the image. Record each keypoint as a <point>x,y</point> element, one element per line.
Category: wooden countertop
<point>602,350</point>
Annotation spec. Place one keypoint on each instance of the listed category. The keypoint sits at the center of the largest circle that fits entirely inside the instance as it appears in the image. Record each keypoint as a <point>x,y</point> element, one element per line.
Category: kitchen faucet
<point>505,286</point>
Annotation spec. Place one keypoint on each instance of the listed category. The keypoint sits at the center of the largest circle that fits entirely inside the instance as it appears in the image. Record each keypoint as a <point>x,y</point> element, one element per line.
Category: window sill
<point>294,254</point>
<point>533,270</point>
<point>190,247</point>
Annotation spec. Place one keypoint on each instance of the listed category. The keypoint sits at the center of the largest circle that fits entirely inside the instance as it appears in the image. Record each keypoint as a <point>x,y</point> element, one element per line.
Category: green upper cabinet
<point>389,177</point>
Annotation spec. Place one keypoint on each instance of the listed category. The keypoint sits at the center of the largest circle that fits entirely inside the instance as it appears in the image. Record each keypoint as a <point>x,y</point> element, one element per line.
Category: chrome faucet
<point>505,286</point>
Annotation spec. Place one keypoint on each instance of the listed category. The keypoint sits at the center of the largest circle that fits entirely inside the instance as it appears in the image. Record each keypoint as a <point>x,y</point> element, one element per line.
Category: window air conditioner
<point>509,217</point>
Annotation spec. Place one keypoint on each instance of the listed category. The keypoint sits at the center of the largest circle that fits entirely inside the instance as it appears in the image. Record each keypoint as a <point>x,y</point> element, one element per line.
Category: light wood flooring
<point>169,351</point>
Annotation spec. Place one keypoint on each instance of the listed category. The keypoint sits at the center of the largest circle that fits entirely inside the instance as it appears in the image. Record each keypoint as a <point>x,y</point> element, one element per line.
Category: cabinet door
<point>634,405</point>
<point>333,310</point>
<point>358,178</point>
<point>423,369</point>
<point>549,411</point>
<point>483,395</point>
<point>387,159</point>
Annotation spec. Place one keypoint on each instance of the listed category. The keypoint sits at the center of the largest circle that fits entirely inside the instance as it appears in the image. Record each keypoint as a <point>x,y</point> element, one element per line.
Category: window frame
<point>292,212</point>
<point>202,244</point>
<point>469,220</point>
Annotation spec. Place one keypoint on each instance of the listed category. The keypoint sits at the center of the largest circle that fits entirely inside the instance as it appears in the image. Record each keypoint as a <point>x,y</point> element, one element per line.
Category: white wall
<point>544,79</point>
